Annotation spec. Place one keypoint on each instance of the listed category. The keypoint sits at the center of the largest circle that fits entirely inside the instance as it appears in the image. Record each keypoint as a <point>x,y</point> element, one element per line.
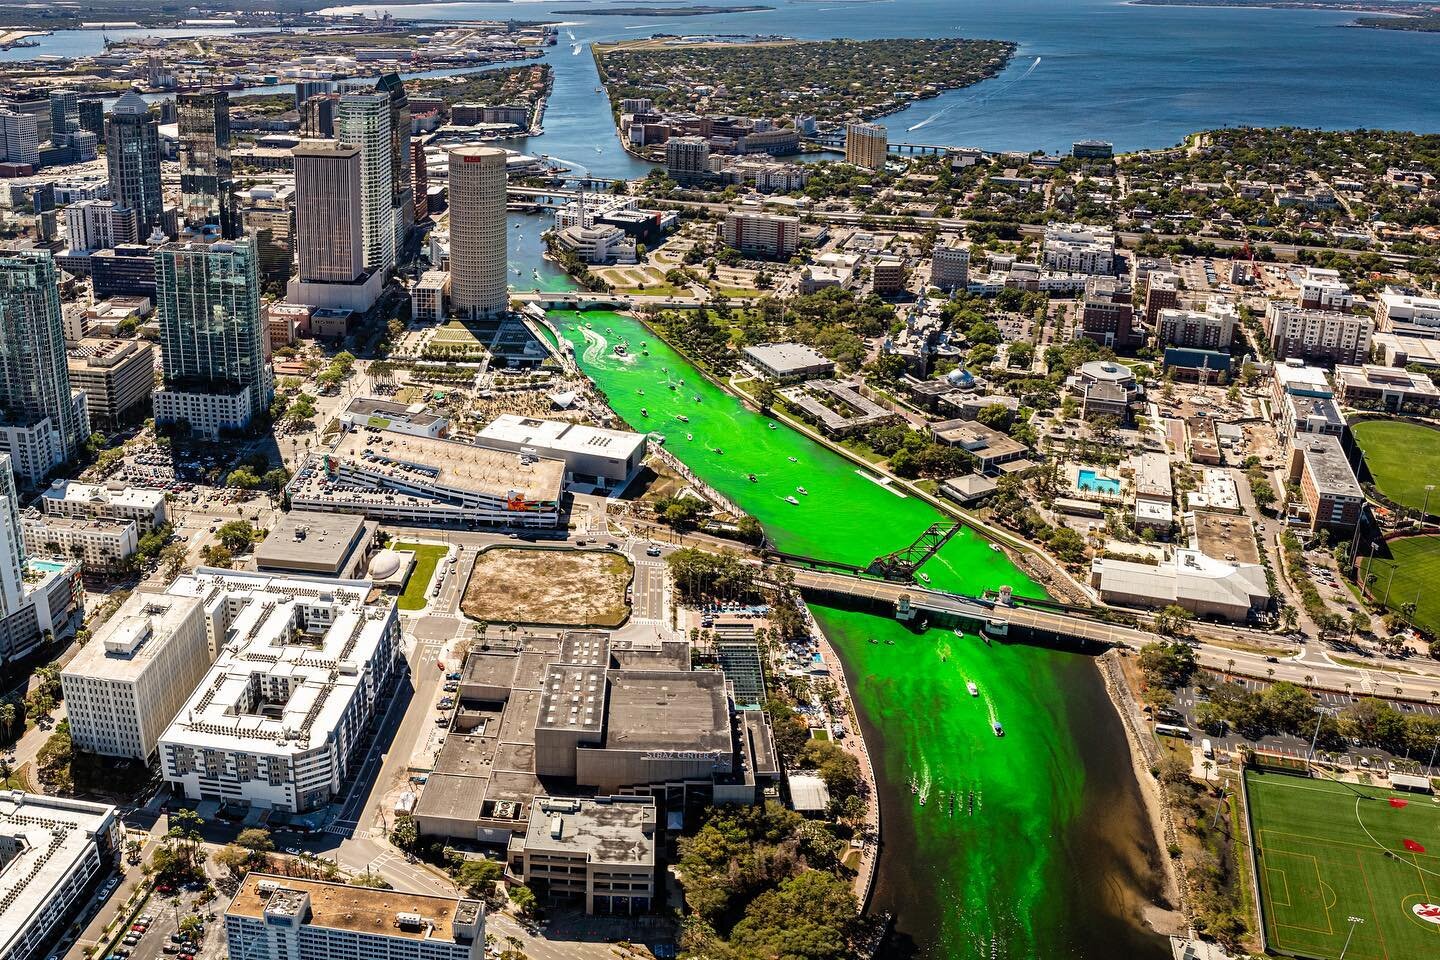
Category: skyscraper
<point>363,121</point>
<point>206,189</point>
<point>402,197</point>
<point>12,543</point>
<point>212,338</point>
<point>329,218</point>
<point>42,420</point>
<point>866,145</point>
<point>64,115</point>
<point>132,154</point>
<point>477,231</point>
<point>19,138</point>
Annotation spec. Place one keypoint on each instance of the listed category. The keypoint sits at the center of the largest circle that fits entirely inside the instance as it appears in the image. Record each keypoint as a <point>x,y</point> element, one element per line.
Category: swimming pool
<point>47,566</point>
<point>1090,480</point>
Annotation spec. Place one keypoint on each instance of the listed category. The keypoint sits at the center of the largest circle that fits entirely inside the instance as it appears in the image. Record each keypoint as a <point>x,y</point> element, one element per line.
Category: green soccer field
<point>1402,457</point>
<point>1408,575</point>
<point>1318,867</point>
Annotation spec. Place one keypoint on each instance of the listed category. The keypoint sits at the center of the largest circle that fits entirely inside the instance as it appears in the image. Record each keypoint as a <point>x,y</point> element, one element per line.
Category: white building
<point>1189,579</point>
<point>598,851</point>
<point>427,299</point>
<point>276,721</point>
<point>1324,335</point>
<point>1395,308</point>
<point>478,283</point>
<point>19,138</point>
<point>52,849</point>
<point>127,684</point>
<point>600,244</point>
<point>115,501</point>
<point>762,234</point>
<point>1322,289</point>
<point>592,455</point>
<point>98,225</point>
<point>788,361</point>
<point>363,120</point>
<point>285,918</point>
<point>1079,248</point>
<point>208,414</point>
<point>97,543</point>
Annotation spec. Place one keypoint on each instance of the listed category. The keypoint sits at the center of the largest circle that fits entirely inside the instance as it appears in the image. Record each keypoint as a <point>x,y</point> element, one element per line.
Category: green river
<point>1045,852</point>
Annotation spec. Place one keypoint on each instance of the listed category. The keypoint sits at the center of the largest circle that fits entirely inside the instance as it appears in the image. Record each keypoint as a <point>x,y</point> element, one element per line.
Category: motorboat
<point>644,412</point>
<point>697,398</point>
<point>995,547</point>
<point>621,349</point>
<point>719,452</point>
<point>924,577</point>
<point>802,491</point>
<point>794,460</point>
<point>999,730</point>
<point>682,418</point>
<point>773,427</point>
<point>689,436</point>
<point>974,690</point>
<point>641,392</point>
<point>792,500</point>
<point>754,479</point>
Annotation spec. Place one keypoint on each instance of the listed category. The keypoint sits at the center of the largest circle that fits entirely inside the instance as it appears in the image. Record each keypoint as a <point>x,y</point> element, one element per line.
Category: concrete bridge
<point>986,617</point>
<point>835,140</point>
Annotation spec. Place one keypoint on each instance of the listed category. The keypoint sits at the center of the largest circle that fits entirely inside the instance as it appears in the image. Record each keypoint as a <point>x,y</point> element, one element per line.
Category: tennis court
<point>1334,863</point>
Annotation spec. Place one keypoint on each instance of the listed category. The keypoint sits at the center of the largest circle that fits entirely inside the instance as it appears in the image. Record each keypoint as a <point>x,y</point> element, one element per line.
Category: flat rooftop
<point>310,540</point>
<point>783,357</point>
<point>668,710</point>
<point>608,830</point>
<point>1328,466</point>
<point>1222,536</point>
<point>561,436</point>
<point>339,906</point>
<point>53,835</point>
<point>459,466</point>
<point>139,632</point>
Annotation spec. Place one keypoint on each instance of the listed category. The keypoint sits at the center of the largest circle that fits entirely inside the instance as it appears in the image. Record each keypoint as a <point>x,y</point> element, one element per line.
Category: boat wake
<point>978,97</point>
<point>575,49</point>
<point>595,346</point>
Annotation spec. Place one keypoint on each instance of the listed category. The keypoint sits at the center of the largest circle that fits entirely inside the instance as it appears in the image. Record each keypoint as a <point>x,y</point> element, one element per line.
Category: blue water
<point>1089,480</point>
<point>1138,76</point>
<point>46,566</point>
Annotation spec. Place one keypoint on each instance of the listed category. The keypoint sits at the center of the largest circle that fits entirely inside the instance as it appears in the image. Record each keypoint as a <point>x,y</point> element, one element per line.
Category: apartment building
<point>597,851</point>
<point>950,267</point>
<point>1331,496</point>
<point>1371,387</point>
<point>1078,248</point>
<point>866,145</point>
<point>277,719</point>
<point>1327,336</point>
<point>1398,310</point>
<point>116,376</point>
<point>1162,292</point>
<point>113,500</point>
<point>1322,289</point>
<point>1107,316</point>
<point>127,684</point>
<point>286,918</point>
<point>1212,329</point>
<point>98,544</point>
<point>762,234</point>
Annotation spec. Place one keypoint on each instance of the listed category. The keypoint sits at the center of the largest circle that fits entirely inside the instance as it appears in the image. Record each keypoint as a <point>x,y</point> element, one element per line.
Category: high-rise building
<point>363,121</point>
<point>98,225</point>
<point>950,266</point>
<point>267,217</point>
<point>306,89</point>
<point>763,234</point>
<point>19,138</point>
<point>92,116</point>
<point>866,145</point>
<point>317,117</point>
<point>12,543</point>
<point>329,212</point>
<point>44,420</point>
<point>206,188</point>
<point>477,232</point>
<point>402,198</point>
<point>212,337</point>
<point>132,154</point>
<point>64,114</point>
<point>1329,336</point>
<point>420,180</point>
<point>687,159</point>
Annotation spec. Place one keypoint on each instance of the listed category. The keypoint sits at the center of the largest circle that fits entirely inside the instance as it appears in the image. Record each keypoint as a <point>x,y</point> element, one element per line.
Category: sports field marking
<point>1379,927</point>
<point>1314,864</point>
<point>1285,879</point>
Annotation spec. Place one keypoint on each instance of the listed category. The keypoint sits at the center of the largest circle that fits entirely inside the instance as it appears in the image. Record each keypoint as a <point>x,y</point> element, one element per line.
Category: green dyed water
<point>1014,851</point>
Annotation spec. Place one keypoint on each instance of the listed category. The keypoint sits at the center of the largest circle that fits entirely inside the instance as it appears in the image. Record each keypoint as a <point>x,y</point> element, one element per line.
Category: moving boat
<point>753,478</point>
<point>689,436</point>
<point>974,690</point>
<point>995,547</point>
<point>682,418</point>
<point>792,500</point>
<point>924,577</point>
<point>641,392</point>
<point>644,412</point>
<point>621,349</point>
<point>793,460</point>
<point>773,427</point>
<point>697,398</point>
<point>802,491</point>
<point>719,452</point>
<point>999,730</point>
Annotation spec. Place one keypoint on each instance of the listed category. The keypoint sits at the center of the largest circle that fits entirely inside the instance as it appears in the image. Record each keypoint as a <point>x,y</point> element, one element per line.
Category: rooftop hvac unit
<point>409,921</point>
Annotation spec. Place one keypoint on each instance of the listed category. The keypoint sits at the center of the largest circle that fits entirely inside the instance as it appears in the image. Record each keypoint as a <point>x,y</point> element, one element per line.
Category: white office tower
<point>477,232</point>
<point>363,121</point>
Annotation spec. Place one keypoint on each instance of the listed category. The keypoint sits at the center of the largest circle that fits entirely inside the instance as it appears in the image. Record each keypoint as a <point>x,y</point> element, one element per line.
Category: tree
<point>1167,664</point>
<point>765,394</point>
<point>478,876</point>
<point>750,529</point>
<point>243,478</point>
<point>217,555</point>
<point>524,899</point>
<point>275,479</point>
<point>835,765</point>
<point>256,840</point>
<point>192,926</point>
<point>811,916</point>
<point>1173,621</point>
<point>236,535</point>
<point>235,859</point>
<point>405,834</point>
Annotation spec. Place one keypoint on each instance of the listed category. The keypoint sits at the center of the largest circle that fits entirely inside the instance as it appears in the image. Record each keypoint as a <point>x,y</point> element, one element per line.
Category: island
<point>831,80</point>
<point>649,11</point>
<point>1413,15</point>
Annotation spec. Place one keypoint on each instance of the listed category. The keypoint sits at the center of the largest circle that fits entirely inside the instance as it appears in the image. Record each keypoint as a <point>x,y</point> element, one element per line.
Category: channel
<point>1045,851</point>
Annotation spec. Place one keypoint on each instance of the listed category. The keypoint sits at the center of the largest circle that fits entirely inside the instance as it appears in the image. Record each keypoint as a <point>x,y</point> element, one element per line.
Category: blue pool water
<point>47,566</point>
<point>1088,480</point>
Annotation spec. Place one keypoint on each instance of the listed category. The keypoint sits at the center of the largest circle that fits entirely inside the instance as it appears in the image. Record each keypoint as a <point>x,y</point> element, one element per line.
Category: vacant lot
<point>1402,458</point>
<point>579,588</point>
<point>1332,853</point>
<point>1408,575</point>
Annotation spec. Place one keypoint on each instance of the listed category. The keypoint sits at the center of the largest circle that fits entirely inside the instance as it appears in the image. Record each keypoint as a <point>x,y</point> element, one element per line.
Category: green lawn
<point>1327,852</point>
<point>1416,565</point>
<point>1402,458</point>
<point>427,555</point>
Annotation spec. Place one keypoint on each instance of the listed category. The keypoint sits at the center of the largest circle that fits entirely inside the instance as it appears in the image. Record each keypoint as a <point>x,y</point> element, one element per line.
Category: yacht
<point>689,436</point>
<point>974,690</point>
<point>924,577</point>
<point>995,547</point>
<point>792,500</point>
<point>753,479</point>
<point>794,460</point>
<point>682,418</point>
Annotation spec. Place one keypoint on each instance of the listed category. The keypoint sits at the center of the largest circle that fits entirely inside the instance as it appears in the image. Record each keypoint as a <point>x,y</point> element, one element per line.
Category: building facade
<point>100,545</point>
<point>596,851</point>
<point>126,684</point>
<point>477,232</point>
<point>866,145</point>
<point>44,420</point>
<point>363,120</point>
<point>950,267</point>
<point>117,378</point>
<point>1331,497</point>
<point>1327,336</point>
<point>212,337</point>
<point>132,155</point>
<point>329,212</point>
<point>206,185</point>
<point>762,234</point>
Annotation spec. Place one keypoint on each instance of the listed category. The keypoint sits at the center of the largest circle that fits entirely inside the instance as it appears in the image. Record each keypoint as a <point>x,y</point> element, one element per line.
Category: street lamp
<point>1354,922</point>
<point>1425,510</point>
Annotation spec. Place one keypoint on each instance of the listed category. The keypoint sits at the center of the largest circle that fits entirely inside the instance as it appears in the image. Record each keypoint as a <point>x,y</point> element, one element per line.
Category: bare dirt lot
<point>579,588</point>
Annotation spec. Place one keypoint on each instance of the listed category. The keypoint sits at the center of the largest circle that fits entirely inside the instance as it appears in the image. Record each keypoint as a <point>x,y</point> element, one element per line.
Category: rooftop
<point>1328,466</point>
<point>1222,536</point>
<point>562,436</point>
<point>787,356</point>
<point>607,830</point>
<point>459,466</point>
<point>668,710</point>
<point>137,634</point>
<point>339,906</point>
<point>310,540</point>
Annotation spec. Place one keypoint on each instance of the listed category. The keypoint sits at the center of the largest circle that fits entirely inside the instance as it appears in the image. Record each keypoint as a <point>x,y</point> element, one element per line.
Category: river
<point>1045,851</point>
